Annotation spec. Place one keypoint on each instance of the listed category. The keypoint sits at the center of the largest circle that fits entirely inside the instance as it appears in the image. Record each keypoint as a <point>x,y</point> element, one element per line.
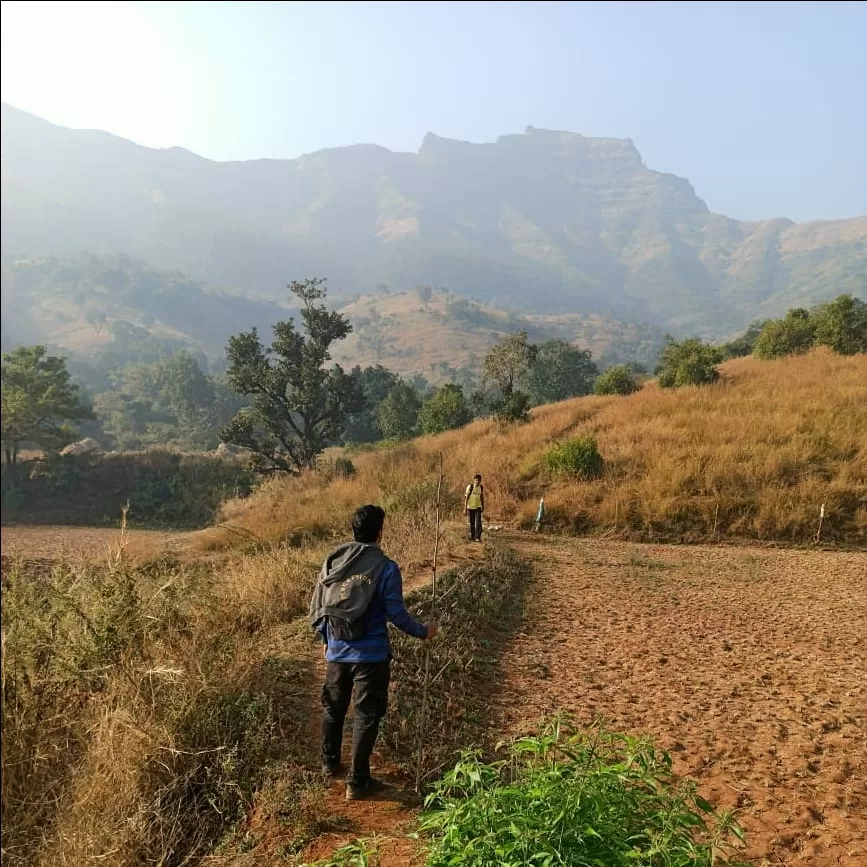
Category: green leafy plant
<point>340,467</point>
<point>398,413</point>
<point>39,401</point>
<point>617,380</point>
<point>573,797</point>
<point>689,362</point>
<point>576,457</point>
<point>792,335</point>
<point>298,406</point>
<point>560,371</point>
<point>444,410</point>
<point>842,325</point>
<point>504,366</point>
<point>360,853</point>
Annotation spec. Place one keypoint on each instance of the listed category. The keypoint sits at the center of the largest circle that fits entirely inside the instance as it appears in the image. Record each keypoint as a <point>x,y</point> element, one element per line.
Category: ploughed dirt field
<point>49,542</point>
<point>749,665</point>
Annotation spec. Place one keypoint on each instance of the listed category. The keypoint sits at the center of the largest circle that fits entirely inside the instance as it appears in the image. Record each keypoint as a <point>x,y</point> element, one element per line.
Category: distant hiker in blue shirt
<point>358,592</point>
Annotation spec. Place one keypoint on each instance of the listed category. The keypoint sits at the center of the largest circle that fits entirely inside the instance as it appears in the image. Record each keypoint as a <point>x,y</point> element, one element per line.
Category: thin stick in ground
<point>427,654</point>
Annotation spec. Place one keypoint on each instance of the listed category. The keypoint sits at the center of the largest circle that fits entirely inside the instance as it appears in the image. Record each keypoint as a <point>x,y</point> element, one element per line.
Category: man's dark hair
<point>367,523</point>
<point>477,476</point>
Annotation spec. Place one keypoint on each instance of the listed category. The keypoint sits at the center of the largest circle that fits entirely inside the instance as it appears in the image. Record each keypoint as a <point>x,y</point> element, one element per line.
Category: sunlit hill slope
<point>754,456</point>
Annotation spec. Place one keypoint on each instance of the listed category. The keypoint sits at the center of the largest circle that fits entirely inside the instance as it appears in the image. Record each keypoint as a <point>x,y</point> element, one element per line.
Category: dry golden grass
<point>142,704</point>
<point>754,456</point>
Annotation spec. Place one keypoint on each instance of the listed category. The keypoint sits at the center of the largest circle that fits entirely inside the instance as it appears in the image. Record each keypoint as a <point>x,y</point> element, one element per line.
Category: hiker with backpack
<point>358,593</point>
<point>474,506</point>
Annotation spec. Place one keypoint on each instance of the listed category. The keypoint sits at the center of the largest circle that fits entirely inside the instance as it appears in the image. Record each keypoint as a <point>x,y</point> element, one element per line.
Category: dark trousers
<point>475,524</point>
<point>370,682</point>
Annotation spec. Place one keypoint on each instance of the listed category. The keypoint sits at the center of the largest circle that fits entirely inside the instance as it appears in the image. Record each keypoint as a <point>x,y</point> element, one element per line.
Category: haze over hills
<point>114,309</point>
<point>547,221</point>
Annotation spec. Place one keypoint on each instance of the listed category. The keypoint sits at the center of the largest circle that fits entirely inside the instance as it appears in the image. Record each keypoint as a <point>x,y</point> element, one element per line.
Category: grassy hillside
<point>753,456</point>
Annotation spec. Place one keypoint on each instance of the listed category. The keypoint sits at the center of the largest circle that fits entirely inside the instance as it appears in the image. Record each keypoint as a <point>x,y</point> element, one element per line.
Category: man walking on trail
<point>474,507</point>
<point>359,591</point>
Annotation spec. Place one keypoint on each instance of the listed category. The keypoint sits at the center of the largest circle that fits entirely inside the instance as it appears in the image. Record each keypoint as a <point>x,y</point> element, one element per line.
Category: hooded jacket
<point>359,585</point>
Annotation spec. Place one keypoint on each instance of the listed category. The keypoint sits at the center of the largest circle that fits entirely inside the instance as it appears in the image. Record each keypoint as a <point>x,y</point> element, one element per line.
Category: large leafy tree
<point>298,404</point>
<point>445,409</point>
<point>504,366</point>
<point>560,370</point>
<point>745,343</point>
<point>170,401</point>
<point>39,403</point>
<point>509,360</point>
<point>398,413</point>
<point>375,383</point>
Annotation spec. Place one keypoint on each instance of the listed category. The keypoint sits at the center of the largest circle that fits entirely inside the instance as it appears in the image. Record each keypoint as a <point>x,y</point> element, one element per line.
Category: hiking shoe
<point>360,791</point>
<point>329,772</point>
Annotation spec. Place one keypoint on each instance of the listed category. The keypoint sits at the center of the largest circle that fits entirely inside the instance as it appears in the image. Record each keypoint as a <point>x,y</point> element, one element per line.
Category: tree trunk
<point>11,455</point>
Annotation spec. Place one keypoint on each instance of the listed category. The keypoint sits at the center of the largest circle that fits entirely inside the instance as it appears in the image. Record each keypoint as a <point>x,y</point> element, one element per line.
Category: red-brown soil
<point>750,666</point>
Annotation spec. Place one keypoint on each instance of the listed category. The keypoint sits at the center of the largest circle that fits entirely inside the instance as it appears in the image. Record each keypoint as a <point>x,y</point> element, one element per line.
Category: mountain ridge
<point>545,220</point>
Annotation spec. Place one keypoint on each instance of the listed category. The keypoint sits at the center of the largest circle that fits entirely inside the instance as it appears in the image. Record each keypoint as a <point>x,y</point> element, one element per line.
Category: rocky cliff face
<point>552,221</point>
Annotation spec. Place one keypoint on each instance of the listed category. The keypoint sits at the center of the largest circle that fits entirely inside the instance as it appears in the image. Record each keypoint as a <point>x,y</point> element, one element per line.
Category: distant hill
<point>115,309</point>
<point>553,222</point>
<point>449,335</point>
<point>90,305</point>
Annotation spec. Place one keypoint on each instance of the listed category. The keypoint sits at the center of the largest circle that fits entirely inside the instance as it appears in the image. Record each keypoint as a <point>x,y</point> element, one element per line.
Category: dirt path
<point>387,819</point>
<point>749,666</point>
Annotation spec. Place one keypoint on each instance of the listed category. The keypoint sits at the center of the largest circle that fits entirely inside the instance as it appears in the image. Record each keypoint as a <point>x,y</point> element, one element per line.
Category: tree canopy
<point>792,335</point>
<point>617,380</point>
<point>504,366</point>
<point>39,401</point>
<point>688,362</point>
<point>398,413</point>
<point>842,325</point>
<point>445,409</point>
<point>374,384</point>
<point>559,371</point>
<point>298,405</point>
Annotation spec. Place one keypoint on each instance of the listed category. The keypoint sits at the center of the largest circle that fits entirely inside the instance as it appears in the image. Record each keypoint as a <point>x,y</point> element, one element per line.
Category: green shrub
<point>792,335</point>
<point>842,325</point>
<point>689,362</point>
<point>576,457</point>
<point>512,407</point>
<point>617,380</point>
<point>445,410</point>
<point>573,797</point>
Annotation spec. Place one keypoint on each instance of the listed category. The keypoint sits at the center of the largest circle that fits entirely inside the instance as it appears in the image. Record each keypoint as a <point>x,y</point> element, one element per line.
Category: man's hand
<point>466,511</point>
<point>432,630</point>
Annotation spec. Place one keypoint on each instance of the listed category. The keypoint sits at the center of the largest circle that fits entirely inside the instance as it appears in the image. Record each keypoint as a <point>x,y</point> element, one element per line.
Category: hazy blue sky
<point>762,106</point>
